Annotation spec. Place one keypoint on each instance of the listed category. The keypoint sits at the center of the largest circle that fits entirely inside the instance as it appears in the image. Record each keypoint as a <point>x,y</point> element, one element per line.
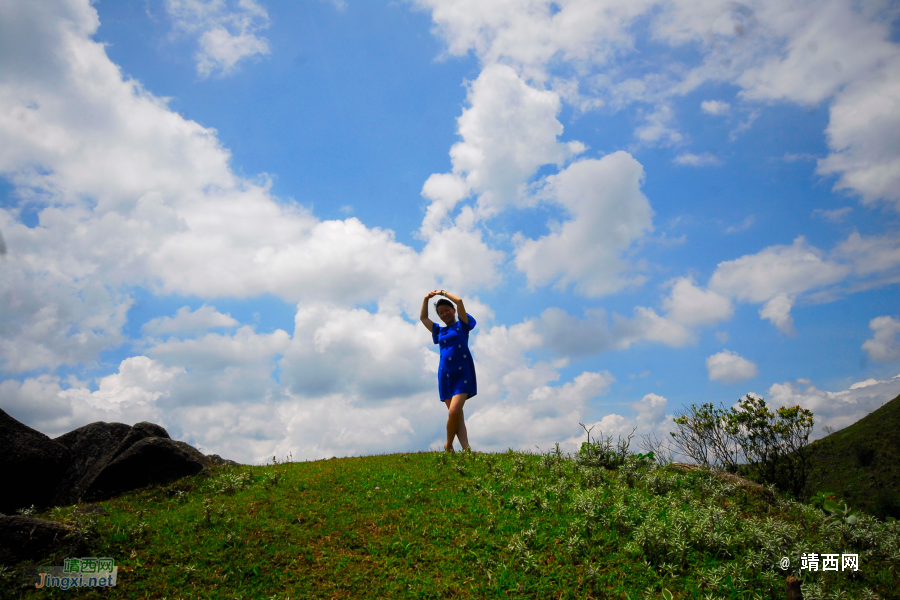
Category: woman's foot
<point>448,448</point>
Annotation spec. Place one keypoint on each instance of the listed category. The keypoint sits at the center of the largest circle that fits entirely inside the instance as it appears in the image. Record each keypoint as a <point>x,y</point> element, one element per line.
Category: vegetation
<point>770,447</point>
<point>604,523</point>
<point>860,463</point>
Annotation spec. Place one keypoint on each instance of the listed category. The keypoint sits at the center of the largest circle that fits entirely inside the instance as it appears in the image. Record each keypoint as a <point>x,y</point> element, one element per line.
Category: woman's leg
<point>455,422</point>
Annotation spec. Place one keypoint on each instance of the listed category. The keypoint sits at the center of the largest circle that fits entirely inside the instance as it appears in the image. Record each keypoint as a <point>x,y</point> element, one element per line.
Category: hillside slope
<point>431,525</point>
<point>860,463</point>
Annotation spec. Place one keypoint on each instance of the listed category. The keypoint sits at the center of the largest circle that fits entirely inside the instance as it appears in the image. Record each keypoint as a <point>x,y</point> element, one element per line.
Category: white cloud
<point>777,269</point>
<point>884,345</point>
<point>573,336</point>
<point>689,159</point>
<point>48,320</point>
<point>509,130</point>
<point>185,321</point>
<point>869,256</point>
<point>730,367</point>
<point>460,258</point>
<point>129,395</point>
<point>545,416</point>
<point>778,311</point>
<point>861,135</point>
<point>715,107</point>
<point>130,193</point>
<point>690,305</point>
<point>373,357</point>
<point>835,409</point>
<point>609,213</point>
<point>658,129</point>
<point>837,51</point>
<point>651,418</point>
<point>227,35</point>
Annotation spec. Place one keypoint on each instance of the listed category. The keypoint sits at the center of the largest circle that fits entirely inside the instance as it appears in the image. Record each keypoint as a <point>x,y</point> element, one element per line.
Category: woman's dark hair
<point>443,302</point>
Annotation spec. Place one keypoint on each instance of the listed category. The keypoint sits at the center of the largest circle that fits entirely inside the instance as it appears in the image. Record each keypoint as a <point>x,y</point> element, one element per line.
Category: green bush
<point>771,447</point>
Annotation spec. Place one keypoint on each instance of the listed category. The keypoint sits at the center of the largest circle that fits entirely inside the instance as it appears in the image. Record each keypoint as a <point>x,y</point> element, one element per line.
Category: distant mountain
<point>861,463</point>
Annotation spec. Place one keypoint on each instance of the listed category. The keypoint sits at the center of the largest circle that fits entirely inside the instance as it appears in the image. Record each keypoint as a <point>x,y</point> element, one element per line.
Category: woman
<point>456,373</point>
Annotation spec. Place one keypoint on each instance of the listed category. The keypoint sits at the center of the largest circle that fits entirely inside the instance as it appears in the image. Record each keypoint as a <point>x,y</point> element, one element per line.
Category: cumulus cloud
<point>689,159</point>
<point>777,269</point>
<point>609,212</point>
<point>686,306</point>
<point>691,305</point>
<point>129,395</point>
<point>508,131</point>
<point>130,193</point>
<point>836,51</point>
<point>226,34</point>
<point>884,345</point>
<point>778,311</point>
<point>544,416</point>
<point>384,353</point>
<point>835,409</point>
<point>596,332</point>
<point>187,321</point>
<point>730,367</point>
<point>650,420</point>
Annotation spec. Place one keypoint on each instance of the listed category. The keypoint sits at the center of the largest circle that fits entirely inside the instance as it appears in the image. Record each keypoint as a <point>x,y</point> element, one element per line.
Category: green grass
<point>468,525</point>
<point>861,463</point>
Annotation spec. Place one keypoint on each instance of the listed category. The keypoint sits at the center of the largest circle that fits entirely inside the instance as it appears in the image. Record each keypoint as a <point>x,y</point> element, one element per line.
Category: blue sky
<point>222,216</point>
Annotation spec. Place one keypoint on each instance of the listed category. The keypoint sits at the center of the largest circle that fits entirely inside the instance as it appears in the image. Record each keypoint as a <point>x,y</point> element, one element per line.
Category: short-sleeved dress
<point>456,373</point>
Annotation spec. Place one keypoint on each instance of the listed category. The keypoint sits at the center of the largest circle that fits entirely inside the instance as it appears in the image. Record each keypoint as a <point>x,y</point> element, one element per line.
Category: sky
<point>223,216</point>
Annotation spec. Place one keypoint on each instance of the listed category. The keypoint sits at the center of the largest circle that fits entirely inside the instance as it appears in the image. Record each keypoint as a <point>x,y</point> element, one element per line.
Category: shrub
<point>772,446</point>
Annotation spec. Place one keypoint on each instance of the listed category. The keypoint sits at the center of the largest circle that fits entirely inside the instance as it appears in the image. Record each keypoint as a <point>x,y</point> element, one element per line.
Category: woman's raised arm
<point>423,316</point>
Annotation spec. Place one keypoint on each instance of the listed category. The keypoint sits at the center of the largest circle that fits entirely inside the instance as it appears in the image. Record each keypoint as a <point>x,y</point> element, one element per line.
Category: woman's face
<point>446,313</point>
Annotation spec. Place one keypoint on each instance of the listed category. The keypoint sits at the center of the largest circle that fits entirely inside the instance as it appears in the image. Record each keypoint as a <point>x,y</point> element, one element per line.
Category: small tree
<point>704,436</point>
<point>774,445</point>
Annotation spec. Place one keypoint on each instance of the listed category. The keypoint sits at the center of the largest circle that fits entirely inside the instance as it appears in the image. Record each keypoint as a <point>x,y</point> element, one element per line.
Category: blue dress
<point>456,373</point>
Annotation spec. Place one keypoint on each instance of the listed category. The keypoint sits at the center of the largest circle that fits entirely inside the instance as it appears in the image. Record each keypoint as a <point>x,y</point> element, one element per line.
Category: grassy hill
<point>861,463</point>
<point>468,525</point>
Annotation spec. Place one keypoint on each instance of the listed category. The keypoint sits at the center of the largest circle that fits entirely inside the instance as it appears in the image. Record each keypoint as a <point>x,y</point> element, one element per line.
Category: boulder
<point>28,538</point>
<point>31,465</point>
<point>138,432</point>
<point>152,460</point>
<point>198,456</point>
<point>92,447</point>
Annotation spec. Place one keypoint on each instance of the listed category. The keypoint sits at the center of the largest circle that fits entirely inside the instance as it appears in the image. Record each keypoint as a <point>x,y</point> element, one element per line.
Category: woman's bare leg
<point>455,422</point>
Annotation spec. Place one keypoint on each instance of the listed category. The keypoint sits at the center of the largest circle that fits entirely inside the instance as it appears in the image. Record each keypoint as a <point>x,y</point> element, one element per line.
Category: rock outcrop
<point>151,460</point>
<point>93,462</point>
<point>92,447</point>
<point>27,538</point>
<point>32,465</point>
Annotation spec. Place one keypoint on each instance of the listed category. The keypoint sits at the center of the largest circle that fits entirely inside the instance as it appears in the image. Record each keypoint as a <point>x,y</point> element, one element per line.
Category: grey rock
<point>138,432</point>
<point>28,538</point>
<point>31,465</point>
<point>92,447</point>
<point>198,456</point>
<point>152,460</point>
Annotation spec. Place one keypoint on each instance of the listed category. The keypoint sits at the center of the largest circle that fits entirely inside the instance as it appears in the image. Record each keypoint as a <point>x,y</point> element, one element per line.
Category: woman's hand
<point>432,294</point>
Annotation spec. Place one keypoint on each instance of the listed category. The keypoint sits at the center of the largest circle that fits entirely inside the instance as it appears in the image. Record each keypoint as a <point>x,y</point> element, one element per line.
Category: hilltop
<point>469,525</point>
<point>860,463</point>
